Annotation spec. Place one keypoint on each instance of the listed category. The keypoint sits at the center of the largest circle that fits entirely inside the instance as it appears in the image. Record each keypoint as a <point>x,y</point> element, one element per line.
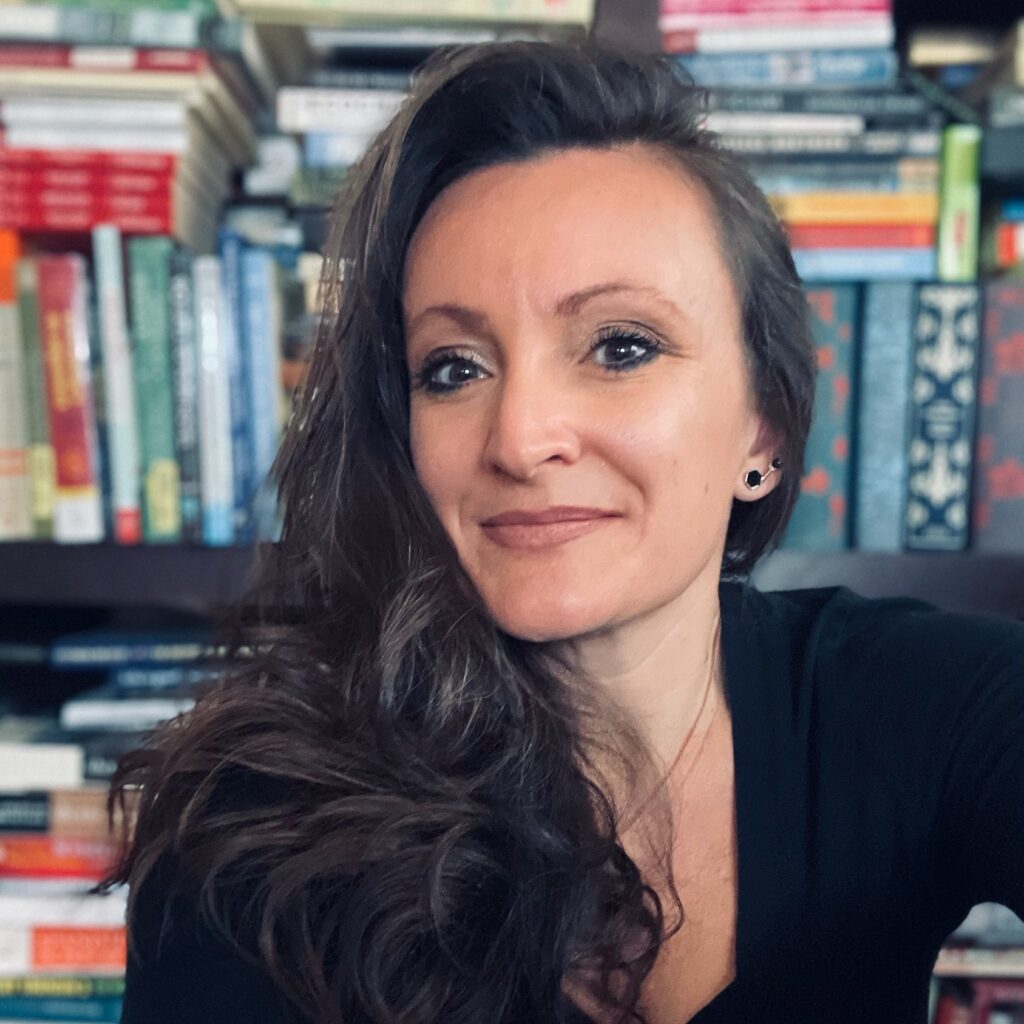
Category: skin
<point>539,419</point>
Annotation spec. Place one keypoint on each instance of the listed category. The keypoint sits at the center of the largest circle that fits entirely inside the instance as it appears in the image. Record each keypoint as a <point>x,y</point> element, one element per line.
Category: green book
<point>42,469</point>
<point>149,270</point>
<point>959,203</point>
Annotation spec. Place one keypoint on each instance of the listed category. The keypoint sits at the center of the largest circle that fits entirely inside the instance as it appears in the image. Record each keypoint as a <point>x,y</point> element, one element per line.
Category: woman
<point>518,743</point>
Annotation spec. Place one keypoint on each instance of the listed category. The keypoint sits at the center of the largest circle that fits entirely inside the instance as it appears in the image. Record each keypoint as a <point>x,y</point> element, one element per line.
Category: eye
<point>624,340</point>
<point>434,382</point>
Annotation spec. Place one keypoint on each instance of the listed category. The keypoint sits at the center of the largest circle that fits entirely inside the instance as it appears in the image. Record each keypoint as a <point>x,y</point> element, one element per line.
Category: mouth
<point>531,536</point>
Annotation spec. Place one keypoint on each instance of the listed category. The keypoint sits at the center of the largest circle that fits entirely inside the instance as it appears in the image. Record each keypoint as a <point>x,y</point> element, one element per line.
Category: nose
<point>532,422</point>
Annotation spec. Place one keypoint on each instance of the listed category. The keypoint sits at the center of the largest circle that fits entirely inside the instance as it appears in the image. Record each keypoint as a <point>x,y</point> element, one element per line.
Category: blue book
<point>821,518</point>
<point>947,326</point>
<point>870,264</point>
<point>849,68</point>
<point>1012,209</point>
<point>262,338</point>
<point>883,415</point>
<point>103,649</point>
<point>230,246</point>
<point>102,1010</point>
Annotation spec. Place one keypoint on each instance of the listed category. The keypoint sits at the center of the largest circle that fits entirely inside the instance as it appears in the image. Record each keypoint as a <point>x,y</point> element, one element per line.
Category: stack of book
<point>62,948</point>
<point>869,178</point>
<point>126,116</point>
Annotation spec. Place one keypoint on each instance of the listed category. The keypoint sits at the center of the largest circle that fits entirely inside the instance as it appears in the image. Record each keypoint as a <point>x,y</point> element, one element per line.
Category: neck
<point>658,667</point>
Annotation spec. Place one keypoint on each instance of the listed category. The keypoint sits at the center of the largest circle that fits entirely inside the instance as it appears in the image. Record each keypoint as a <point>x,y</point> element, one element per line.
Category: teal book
<point>883,415</point>
<point>821,518</point>
<point>947,327</point>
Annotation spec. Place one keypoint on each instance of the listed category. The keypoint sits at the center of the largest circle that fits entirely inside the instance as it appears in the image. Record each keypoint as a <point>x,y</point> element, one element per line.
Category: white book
<point>118,384</point>
<point>216,476</point>
<point>728,122</point>
<point>98,111</point>
<point>847,35</point>
<point>352,111</point>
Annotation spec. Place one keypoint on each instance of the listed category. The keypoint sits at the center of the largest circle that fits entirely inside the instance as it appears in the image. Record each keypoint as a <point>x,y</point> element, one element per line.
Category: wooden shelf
<point>184,578</point>
<point>958,581</point>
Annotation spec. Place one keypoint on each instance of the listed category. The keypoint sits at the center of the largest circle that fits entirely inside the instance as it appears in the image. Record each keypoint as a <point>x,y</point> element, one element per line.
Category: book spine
<point>534,12</point>
<point>106,26</point>
<point>851,34</point>
<point>149,265</point>
<point>98,378</point>
<point>759,7</point>
<point>856,207</point>
<point>102,160</point>
<point>119,395</point>
<point>186,399</point>
<point>156,141</point>
<point>78,510</point>
<point>69,986</point>
<point>731,122</point>
<point>122,60</point>
<point>360,78</point>
<point>231,246</point>
<point>124,112</point>
<point>874,142</point>
<point>998,493</point>
<point>60,1008</point>
<point>42,467</point>
<point>28,948</point>
<point>866,103</point>
<point>960,203</point>
<point>42,177</point>
<point>35,856</point>
<point>331,149</point>
<point>883,414</point>
<point>355,111</point>
<point>854,236</point>
<point>670,22</point>
<point>214,400</point>
<point>946,331</point>
<point>867,67</point>
<point>57,202</point>
<point>15,506</point>
<point>866,264</point>
<point>821,518</point>
<point>260,290</point>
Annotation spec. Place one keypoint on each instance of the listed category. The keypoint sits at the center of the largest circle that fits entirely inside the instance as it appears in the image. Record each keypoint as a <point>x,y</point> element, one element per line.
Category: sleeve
<point>188,974</point>
<point>983,795</point>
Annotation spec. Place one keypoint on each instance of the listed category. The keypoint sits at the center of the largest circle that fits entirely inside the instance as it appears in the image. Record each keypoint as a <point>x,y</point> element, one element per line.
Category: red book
<point>671,22</point>
<point>758,8</point>
<point>64,334</point>
<point>72,220</point>
<point>77,948</point>
<point>858,236</point>
<point>53,201</point>
<point>44,856</point>
<point>126,59</point>
<point>89,159</point>
<point>14,178</point>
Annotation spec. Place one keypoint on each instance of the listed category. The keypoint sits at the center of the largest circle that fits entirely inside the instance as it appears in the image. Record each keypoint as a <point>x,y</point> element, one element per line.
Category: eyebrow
<point>567,306</point>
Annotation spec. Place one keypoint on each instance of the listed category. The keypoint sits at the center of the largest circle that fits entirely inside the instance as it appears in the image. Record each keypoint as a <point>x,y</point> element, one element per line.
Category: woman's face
<point>573,339</point>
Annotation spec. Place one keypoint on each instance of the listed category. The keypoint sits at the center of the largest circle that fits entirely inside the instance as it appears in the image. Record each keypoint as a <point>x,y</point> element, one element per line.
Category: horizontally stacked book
<point>62,948</point>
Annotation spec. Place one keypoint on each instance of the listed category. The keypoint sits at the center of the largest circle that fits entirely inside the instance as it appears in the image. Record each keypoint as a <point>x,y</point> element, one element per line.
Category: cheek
<point>439,456</point>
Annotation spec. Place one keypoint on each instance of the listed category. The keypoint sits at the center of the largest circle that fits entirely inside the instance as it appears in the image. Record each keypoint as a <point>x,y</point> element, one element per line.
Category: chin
<point>543,621</point>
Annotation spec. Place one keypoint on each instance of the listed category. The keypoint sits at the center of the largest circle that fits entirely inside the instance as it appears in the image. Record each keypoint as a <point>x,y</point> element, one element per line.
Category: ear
<point>765,447</point>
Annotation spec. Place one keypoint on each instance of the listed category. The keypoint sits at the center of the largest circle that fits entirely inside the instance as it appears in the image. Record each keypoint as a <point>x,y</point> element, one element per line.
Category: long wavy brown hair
<point>416,808</point>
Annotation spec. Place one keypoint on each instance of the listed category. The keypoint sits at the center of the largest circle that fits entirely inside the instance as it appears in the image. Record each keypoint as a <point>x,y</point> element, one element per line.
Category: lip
<point>544,529</point>
<point>552,514</point>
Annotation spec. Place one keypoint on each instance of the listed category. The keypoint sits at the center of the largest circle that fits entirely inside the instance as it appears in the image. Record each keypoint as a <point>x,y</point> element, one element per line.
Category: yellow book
<point>857,207</point>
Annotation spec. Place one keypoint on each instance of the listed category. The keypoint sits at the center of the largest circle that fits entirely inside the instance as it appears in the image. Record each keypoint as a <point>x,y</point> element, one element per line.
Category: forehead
<point>537,229</point>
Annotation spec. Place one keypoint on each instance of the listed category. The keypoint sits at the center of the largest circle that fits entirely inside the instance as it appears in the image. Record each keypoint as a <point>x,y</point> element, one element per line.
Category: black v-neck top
<point>878,749</point>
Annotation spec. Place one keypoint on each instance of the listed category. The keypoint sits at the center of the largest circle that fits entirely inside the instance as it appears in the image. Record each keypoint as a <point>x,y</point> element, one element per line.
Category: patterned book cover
<point>821,518</point>
<point>883,415</point>
<point>997,521</point>
<point>943,403</point>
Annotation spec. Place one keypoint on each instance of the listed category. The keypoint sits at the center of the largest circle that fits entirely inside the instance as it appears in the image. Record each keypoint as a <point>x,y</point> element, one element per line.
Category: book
<point>947,327</point>
<point>216,472</point>
<point>821,518</point>
<point>119,385</point>
<point>883,401</point>
<point>831,67</point>
<point>852,33</point>
<point>866,263</point>
<point>42,468</point>
<point>149,287</point>
<point>15,506</point>
<point>64,331</point>
<point>998,486</point>
<point>112,708</point>
<point>959,203</point>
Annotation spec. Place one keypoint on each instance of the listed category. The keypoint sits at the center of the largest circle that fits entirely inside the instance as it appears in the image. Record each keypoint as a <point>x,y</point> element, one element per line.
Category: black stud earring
<point>754,478</point>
